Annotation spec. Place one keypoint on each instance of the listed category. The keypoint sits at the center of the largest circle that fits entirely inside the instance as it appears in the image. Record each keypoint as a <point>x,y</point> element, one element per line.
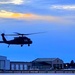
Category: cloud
<point>16,2</point>
<point>30,17</point>
<point>63,7</point>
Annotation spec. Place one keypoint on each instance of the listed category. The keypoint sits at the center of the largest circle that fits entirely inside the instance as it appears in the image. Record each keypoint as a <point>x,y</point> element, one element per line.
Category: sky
<point>54,17</point>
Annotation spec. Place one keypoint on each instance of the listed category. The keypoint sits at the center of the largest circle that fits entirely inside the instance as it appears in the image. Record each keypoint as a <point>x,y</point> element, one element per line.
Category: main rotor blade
<point>11,35</point>
<point>29,33</point>
<point>17,34</point>
<point>35,33</point>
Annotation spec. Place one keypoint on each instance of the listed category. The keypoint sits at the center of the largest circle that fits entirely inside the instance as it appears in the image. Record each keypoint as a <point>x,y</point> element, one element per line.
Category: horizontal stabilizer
<point>1,41</point>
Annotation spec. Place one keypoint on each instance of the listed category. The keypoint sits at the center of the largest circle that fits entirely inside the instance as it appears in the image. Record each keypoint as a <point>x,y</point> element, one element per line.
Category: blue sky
<point>26,16</point>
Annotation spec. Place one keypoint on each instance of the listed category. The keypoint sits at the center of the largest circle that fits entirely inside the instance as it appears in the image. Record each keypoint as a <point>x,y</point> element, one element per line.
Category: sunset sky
<point>55,17</point>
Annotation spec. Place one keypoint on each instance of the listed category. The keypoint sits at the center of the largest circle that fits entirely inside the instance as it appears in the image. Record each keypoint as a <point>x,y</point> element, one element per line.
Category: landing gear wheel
<point>21,45</point>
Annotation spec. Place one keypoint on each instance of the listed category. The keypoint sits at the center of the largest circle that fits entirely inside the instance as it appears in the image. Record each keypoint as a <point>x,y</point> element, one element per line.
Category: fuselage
<point>17,40</point>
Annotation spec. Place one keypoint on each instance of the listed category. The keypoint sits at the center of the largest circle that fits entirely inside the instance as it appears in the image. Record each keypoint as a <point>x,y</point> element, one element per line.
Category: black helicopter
<point>20,40</point>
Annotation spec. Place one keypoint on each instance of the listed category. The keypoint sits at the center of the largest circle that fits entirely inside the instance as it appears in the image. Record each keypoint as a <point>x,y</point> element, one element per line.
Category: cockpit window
<point>25,40</point>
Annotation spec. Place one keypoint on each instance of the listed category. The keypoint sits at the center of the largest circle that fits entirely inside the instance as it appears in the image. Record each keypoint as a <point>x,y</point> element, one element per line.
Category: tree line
<point>70,65</point>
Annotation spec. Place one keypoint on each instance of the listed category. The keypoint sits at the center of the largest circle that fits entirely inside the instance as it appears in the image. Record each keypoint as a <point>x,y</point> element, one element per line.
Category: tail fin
<point>4,39</point>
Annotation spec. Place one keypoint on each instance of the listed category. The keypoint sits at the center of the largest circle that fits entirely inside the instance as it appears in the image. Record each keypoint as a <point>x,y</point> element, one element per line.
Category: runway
<point>37,74</point>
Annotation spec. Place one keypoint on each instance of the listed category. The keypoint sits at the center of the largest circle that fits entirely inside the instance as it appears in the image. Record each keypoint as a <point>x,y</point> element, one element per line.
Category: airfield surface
<point>37,74</point>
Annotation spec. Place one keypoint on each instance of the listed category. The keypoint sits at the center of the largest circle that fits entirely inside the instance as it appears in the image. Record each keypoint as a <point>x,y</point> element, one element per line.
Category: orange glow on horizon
<point>31,17</point>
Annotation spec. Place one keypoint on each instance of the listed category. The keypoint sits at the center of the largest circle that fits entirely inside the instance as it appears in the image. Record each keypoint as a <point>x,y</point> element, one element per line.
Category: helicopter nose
<point>30,42</point>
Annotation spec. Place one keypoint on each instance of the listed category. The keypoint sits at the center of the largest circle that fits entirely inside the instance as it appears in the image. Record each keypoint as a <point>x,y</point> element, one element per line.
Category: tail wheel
<point>8,45</point>
<point>28,44</point>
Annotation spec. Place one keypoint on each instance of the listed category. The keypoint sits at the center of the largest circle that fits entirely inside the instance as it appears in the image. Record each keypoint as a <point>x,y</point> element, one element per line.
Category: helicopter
<point>21,39</point>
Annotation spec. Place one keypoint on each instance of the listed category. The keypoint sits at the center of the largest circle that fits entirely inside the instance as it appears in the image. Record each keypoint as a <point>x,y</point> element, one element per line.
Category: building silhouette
<point>4,63</point>
<point>37,64</point>
<point>47,63</point>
